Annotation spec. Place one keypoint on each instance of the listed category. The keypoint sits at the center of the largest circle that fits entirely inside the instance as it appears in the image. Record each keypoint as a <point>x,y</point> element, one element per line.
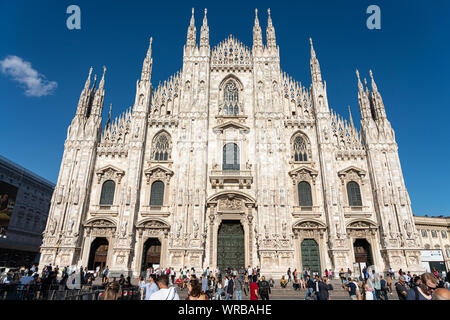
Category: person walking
<point>289,275</point>
<point>219,289</point>
<point>309,288</point>
<point>264,288</point>
<point>384,288</point>
<point>230,288</point>
<point>323,288</point>
<point>253,288</point>
<point>238,284</point>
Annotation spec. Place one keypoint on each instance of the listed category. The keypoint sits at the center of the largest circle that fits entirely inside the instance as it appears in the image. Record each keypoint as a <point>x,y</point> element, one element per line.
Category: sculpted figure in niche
<point>71,224</point>
<point>124,228</point>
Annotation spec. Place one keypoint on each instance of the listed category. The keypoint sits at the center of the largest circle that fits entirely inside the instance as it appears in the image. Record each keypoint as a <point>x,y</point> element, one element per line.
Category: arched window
<point>354,194</point>
<point>304,194</point>
<point>424,233</point>
<point>444,234</point>
<point>161,147</point>
<point>434,233</point>
<point>300,149</point>
<point>107,195</point>
<point>231,99</point>
<point>157,194</point>
<point>231,157</point>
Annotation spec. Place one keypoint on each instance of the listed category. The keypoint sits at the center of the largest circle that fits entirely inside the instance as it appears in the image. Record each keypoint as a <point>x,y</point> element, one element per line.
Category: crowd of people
<point>233,284</point>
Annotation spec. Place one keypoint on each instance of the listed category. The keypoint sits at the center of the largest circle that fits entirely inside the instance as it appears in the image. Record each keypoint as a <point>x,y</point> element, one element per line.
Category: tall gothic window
<point>231,99</point>
<point>157,194</point>
<point>161,147</point>
<point>424,233</point>
<point>300,149</point>
<point>304,194</point>
<point>231,157</point>
<point>107,195</point>
<point>354,194</point>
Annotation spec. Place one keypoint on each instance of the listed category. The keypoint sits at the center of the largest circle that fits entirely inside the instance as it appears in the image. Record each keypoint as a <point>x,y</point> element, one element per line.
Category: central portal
<point>230,245</point>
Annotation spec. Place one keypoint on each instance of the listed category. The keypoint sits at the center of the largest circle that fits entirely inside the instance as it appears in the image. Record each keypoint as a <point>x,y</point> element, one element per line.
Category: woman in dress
<point>253,288</point>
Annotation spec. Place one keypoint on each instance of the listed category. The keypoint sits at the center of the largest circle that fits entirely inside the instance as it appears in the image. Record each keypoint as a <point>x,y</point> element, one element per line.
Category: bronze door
<point>151,253</point>
<point>230,245</point>
<point>310,255</point>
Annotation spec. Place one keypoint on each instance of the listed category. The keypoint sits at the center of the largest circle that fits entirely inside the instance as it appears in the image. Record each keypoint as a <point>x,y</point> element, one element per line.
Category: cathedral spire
<point>377,101</point>
<point>350,116</point>
<point>270,33</point>
<point>316,75</point>
<point>147,65</point>
<point>364,103</point>
<point>257,34</point>
<point>192,33</point>
<point>204,33</point>
<point>85,95</point>
<point>97,105</point>
<point>108,122</point>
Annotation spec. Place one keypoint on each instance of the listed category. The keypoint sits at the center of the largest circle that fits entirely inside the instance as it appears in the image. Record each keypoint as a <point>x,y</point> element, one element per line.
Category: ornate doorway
<point>230,245</point>
<point>98,255</point>
<point>363,252</point>
<point>310,255</point>
<point>151,253</point>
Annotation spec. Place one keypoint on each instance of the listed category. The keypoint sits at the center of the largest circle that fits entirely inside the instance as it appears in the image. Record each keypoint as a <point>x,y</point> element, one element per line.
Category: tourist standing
<point>264,289</point>
<point>164,292</point>
<point>219,289</point>
<point>401,288</point>
<point>289,274</point>
<point>425,290</point>
<point>150,287</point>
<point>238,284</point>
<point>230,288</point>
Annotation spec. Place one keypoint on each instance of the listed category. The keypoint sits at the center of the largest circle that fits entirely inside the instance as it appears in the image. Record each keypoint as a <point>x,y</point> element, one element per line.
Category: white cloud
<point>35,84</point>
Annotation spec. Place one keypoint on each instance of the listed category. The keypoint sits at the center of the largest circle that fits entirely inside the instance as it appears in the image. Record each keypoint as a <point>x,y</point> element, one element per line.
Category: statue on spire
<point>204,33</point>
<point>270,32</point>
<point>257,33</point>
<point>192,32</point>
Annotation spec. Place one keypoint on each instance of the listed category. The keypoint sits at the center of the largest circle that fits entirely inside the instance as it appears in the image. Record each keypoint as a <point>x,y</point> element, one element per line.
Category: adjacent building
<point>434,238</point>
<point>231,162</point>
<point>24,206</point>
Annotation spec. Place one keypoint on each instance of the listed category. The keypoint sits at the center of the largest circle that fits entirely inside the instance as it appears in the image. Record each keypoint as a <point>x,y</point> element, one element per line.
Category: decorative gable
<point>158,172</point>
<point>110,173</point>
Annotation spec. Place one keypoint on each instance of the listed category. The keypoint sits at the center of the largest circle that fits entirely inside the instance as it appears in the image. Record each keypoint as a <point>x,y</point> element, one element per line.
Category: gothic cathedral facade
<point>230,163</point>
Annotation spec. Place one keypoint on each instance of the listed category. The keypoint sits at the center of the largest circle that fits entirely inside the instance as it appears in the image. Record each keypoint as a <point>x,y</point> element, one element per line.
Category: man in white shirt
<point>249,271</point>
<point>164,292</point>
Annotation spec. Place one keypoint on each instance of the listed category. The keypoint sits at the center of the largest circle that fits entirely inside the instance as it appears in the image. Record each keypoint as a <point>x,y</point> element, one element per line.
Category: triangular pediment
<point>110,168</point>
<point>158,168</point>
<point>304,168</point>
<point>347,170</point>
<point>230,124</point>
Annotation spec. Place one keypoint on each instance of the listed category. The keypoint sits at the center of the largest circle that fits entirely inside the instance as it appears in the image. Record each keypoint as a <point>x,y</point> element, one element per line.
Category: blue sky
<point>409,57</point>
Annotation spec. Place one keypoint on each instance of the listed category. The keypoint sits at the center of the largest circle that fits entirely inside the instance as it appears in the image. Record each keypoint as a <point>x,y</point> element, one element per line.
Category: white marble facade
<point>286,134</point>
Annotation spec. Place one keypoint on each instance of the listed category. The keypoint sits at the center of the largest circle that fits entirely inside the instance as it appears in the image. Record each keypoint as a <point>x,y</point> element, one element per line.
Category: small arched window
<point>304,194</point>
<point>107,195</point>
<point>300,149</point>
<point>434,233</point>
<point>231,157</point>
<point>444,234</point>
<point>161,147</point>
<point>231,99</point>
<point>424,233</point>
<point>157,194</point>
<point>354,194</point>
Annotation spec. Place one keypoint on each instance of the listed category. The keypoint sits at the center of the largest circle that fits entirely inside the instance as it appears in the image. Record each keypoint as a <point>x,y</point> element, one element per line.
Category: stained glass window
<point>107,195</point>
<point>157,194</point>
<point>304,194</point>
